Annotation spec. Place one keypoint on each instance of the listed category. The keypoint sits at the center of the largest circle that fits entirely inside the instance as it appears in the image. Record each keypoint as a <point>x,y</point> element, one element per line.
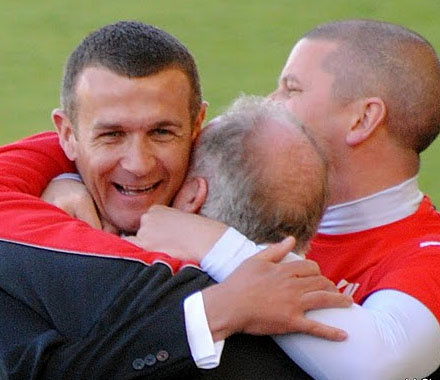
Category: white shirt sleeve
<point>391,336</point>
<point>205,352</point>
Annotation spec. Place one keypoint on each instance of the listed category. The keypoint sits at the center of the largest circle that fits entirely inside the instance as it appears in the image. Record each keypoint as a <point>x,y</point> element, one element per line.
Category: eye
<point>162,134</point>
<point>162,131</point>
<point>110,137</point>
<point>113,134</point>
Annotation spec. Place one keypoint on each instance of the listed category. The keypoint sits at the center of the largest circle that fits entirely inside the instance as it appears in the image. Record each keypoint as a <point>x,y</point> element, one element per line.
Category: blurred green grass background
<point>240,46</point>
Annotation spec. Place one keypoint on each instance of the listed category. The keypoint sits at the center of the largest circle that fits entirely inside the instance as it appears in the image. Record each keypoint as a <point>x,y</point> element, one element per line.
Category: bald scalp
<point>378,59</point>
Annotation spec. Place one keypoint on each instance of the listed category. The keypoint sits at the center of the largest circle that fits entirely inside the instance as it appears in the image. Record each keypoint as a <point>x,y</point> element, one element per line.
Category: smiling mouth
<point>134,190</point>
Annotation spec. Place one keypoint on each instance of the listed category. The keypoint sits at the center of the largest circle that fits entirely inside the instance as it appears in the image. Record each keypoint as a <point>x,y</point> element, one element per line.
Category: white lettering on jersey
<point>349,288</point>
<point>429,243</point>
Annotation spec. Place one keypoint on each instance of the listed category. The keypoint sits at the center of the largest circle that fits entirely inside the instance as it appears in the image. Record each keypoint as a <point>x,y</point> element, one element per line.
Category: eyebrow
<point>164,123</point>
<point>104,125</point>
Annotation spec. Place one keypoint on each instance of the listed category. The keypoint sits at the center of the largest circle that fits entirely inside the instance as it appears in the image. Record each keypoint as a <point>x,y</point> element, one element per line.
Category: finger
<point>320,330</point>
<point>302,268</point>
<point>277,251</point>
<point>308,284</point>
<point>325,300</point>
<point>159,210</point>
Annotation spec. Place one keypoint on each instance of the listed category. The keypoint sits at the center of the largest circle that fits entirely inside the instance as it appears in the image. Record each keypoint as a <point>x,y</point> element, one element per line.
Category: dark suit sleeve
<point>69,316</point>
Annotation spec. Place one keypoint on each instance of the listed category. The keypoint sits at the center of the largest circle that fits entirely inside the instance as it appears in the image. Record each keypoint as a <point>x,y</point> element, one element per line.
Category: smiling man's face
<point>132,141</point>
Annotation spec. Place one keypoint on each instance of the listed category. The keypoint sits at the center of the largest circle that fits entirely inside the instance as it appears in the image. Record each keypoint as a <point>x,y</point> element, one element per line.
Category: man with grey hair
<point>266,191</point>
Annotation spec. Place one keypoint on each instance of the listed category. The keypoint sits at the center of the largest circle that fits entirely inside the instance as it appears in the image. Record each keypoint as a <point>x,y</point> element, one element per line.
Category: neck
<point>362,173</point>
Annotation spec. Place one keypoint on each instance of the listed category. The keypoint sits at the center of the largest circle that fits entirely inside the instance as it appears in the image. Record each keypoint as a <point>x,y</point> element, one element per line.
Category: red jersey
<point>404,255</point>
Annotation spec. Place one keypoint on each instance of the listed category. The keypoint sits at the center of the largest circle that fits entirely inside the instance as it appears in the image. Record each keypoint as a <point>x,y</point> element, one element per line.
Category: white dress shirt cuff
<point>205,352</point>
<point>227,254</point>
<point>230,251</point>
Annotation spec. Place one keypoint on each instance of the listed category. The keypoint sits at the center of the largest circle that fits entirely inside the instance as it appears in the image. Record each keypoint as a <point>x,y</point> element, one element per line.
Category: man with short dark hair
<point>131,109</point>
<point>83,303</point>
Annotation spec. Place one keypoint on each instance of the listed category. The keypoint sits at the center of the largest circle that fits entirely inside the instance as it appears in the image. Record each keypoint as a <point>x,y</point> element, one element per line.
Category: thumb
<point>277,251</point>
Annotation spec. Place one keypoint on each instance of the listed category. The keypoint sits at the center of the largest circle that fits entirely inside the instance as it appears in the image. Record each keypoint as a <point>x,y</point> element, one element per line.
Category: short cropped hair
<point>391,62</point>
<point>243,189</point>
<point>131,49</point>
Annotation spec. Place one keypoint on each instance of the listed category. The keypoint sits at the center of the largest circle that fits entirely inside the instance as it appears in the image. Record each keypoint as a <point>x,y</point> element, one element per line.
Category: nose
<point>138,157</point>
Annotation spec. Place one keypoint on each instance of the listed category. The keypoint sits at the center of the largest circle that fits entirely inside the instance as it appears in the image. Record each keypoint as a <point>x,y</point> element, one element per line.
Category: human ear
<point>199,120</point>
<point>66,134</point>
<point>369,115</point>
<point>192,195</point>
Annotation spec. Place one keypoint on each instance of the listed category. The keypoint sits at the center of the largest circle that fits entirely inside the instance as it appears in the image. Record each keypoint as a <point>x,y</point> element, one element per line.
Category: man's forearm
<point>392,336</point>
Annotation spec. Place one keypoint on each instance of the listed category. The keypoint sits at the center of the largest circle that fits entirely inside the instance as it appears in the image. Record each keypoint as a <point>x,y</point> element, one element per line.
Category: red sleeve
<point>26,168</point>
<point>28,165</point>
<point>413,269</point>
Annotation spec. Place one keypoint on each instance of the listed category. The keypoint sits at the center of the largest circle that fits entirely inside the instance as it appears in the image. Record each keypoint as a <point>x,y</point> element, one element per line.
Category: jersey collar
<point>375,210</point>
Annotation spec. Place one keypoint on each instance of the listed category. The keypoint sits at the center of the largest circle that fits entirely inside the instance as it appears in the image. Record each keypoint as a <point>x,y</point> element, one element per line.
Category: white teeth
<point>128,190</point>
